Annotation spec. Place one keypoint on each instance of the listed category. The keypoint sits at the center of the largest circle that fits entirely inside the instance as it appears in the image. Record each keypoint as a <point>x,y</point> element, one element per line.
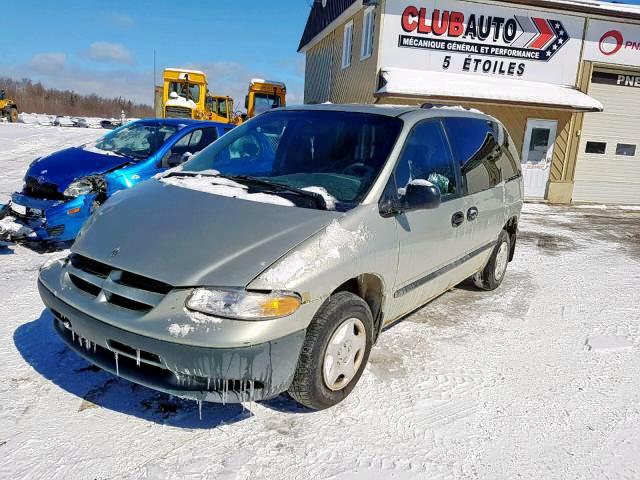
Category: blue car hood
<point>63,167</point>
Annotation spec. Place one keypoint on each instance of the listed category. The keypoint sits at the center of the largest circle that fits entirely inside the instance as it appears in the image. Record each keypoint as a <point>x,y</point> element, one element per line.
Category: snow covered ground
<point>538,379</point>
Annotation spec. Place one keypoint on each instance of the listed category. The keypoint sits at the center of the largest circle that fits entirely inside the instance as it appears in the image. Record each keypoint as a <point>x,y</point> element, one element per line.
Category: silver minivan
<point>272,260</point>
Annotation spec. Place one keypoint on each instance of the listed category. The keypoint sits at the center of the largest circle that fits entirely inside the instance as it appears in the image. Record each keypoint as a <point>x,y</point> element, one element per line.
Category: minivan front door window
<point>426,156</point>
<point>341,153</point>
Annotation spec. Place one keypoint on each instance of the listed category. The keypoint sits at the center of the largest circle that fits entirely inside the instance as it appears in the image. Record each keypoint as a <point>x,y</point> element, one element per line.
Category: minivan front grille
<point>178,112</point>
<point>117,287</point>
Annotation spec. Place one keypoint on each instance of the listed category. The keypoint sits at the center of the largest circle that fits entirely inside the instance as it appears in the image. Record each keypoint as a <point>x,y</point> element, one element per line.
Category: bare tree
<point>35,98</point>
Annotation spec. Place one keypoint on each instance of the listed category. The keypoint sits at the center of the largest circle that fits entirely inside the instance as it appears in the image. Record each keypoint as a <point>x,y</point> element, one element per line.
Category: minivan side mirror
<point>418,195</point>
<point>421,195</point>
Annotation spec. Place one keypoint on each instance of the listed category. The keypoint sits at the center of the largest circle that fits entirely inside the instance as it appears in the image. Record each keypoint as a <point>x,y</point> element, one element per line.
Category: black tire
<point>308,387</point>
<point>13,115</point>
<point>488,278</point>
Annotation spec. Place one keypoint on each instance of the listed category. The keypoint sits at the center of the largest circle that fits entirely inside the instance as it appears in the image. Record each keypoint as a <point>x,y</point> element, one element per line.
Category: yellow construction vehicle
<point>8,108</point>
<point>264,95</point>
<point>186,95</point>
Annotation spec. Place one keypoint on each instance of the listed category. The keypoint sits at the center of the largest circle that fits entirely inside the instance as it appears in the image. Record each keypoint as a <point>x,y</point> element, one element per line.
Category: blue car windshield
<point>135,140</point>
<point>339,153</point>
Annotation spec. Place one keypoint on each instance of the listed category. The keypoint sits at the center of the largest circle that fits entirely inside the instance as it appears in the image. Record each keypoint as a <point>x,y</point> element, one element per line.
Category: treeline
<point>35,98</point>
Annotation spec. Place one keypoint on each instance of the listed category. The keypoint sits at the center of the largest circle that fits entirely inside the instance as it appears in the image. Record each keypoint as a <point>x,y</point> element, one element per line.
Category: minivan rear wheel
<point>335,352</point>
<point>491,276</point>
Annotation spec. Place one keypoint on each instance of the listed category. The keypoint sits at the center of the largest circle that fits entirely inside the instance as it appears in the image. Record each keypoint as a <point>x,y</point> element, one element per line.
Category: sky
<point>107,47</point>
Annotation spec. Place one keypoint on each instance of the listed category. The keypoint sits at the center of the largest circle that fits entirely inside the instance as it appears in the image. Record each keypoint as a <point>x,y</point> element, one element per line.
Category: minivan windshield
<point>323,151</point>
<point>135,140</point>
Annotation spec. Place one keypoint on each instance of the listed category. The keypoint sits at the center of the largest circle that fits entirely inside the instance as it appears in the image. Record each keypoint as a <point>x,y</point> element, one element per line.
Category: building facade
<point>563,76</point>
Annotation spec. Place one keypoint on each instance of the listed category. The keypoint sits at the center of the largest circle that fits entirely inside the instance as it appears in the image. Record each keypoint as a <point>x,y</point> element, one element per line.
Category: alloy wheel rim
<point>501,261</point>
<point>344,353</point>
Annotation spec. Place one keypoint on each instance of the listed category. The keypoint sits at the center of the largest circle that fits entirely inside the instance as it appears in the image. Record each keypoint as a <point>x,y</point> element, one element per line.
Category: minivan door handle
<point>472,214</point>
<point>457,219</point>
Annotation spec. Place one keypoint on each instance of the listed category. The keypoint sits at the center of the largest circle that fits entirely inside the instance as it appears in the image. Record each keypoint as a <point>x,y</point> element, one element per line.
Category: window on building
<point>368,27</point>
<point>596,147</point>
<point>347,43</point>
<point>426,156</point>
<point>475,147</point>
<point>625,149</point>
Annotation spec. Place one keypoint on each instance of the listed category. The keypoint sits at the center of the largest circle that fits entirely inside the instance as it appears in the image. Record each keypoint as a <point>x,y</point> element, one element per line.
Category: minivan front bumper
<point>222,375</point>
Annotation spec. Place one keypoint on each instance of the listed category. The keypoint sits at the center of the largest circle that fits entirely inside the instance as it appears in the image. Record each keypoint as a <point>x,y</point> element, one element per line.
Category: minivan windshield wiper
<point>257,183</point>
<point>279,187</point>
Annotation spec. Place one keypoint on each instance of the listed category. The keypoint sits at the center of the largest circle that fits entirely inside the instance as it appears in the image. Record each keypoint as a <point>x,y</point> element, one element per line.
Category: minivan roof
<point>390,110</point>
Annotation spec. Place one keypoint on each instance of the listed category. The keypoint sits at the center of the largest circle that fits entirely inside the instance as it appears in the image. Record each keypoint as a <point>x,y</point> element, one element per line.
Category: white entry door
<point>537,154</point>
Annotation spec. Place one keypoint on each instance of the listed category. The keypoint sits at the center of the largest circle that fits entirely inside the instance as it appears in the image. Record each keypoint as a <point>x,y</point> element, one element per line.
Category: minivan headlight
<point>83,186</point>
<point>243,305</point>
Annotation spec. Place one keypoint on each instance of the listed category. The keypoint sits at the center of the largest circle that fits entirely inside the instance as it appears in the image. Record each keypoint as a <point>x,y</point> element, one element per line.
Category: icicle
<point>138,357</point>
<point>225,386</point>
<point>73,336</point>
<point>94,348</point>
<point>208,383</point>
<point>251,391</point>
<point>117,367</point>
<point>200,409</point>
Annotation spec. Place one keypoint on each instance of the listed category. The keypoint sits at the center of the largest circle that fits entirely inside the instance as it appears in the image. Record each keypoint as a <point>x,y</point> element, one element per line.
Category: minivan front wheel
<point>491,276</point>
<point>334,353</point>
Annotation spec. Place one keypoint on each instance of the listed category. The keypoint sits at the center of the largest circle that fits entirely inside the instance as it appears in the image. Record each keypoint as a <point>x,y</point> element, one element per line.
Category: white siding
<point>610,178</point>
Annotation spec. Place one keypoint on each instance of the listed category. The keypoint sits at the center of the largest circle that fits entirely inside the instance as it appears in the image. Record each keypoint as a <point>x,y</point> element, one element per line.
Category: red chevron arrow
<point>546,33</point>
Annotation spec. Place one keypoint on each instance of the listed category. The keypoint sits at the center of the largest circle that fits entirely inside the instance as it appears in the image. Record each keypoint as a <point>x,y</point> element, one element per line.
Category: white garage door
<point>608,167</point>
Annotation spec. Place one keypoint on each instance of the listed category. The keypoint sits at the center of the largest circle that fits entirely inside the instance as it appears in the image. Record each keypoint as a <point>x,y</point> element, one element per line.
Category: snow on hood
<point>329,200</point>
<point>185,237</point>
<point>181,102</point>
<point>327,249</point>
<point>225,188</point>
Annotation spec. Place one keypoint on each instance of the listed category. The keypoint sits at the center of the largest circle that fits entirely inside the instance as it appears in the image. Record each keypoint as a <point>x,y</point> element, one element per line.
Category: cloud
<point>46,63</point>
<point>122,20</point>
<point>109,52</point>
<point>53,70</point>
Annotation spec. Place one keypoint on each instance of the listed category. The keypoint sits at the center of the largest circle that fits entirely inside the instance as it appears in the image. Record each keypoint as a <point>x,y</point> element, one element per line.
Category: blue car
<point>61,190</point>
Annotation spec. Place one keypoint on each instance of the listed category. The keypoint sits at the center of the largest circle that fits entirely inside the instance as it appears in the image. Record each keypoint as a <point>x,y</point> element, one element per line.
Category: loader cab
<point>184,93</point>
<point>220,108</point>
<point>264,95</point>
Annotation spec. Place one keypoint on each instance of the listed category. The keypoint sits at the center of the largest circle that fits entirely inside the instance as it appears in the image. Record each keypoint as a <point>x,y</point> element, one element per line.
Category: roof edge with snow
<point>405,83</point>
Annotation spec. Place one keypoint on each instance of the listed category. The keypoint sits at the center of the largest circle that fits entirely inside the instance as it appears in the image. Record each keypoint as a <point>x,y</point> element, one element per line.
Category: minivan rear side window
<point>509,163</point>
<point>476,149</point>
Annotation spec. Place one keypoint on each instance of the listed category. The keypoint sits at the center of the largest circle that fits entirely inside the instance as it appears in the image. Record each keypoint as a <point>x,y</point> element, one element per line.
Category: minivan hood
<point>190,238</point>
<point>63,167</point>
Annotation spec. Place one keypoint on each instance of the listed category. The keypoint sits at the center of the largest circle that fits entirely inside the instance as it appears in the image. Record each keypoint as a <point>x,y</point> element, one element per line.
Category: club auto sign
<point>474,38</point>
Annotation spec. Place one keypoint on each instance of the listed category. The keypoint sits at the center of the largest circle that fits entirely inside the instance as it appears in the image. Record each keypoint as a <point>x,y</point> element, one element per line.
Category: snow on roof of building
<point>436,85</point>
<point>610,9</point>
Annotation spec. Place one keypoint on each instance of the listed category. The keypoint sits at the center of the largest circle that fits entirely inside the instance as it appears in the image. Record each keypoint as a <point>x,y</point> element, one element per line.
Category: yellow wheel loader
<point>264,95</point>
<point>186,95</point>
<point>8,108</point>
